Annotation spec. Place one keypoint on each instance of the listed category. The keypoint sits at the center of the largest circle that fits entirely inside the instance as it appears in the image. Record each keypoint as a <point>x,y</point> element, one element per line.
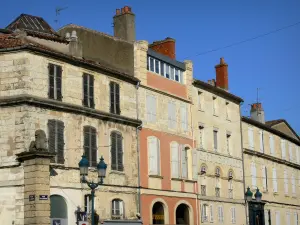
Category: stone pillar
<point>36,186</point>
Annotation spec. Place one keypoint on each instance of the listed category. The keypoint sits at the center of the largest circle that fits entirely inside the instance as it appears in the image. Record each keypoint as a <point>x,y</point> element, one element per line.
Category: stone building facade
<point>216,123</point>
<point>272,163</point>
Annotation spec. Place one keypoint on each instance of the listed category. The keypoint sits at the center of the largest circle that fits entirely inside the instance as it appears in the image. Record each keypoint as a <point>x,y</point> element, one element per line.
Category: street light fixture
<point>258,195</point>
<point>101,169</point>
<point>248,195</point>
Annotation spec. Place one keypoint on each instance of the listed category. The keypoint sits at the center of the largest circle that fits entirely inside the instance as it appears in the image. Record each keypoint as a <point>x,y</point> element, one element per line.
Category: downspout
<point>244,181</point>
<point>138,153</point>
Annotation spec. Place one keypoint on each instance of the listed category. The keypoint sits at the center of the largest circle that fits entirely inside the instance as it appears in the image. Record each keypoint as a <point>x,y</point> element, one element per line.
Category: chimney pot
<point>126,9</point>
<point>257,113</point>
<point>123,10</point>
<point>124,24</point>
<point>118,11</point>
<point>222,74</point>
<point>165,47</point>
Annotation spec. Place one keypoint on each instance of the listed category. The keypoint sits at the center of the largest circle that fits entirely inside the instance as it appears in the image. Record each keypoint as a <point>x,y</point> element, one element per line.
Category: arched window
<point>58,209</point>
<point>230,174</point>
<point>218,172</point>
<point>153,156</point>
<point>116,151</point>
<point>158,214</point>
<point>117,209</point>
<point>203,169</point>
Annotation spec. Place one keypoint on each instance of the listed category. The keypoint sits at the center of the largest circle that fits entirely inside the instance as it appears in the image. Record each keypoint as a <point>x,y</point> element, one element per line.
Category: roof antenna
<point>57,12</point>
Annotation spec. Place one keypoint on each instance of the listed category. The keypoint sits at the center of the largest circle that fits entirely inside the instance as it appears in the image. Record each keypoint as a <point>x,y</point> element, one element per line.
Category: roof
<point>218,91</point>
<point>35,26</point>
<point>11,42</point>
<point>272,123</point>
<point>270,129</point>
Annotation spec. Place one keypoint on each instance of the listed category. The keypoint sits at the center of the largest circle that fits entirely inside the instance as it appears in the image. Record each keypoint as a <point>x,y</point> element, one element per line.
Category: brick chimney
<point>222,74</point>
<point>165,47</point>
<point>124,24</point>
<point>257,113</point>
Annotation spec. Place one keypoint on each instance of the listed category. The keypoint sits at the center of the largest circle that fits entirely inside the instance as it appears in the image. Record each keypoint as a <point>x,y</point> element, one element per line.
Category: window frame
<point>119,135</point>
<point>92,130</point>
<point>57,81</point>
<point>60,153</point>
<point>89,98</point>
<point>121,209</point>
<point>115,103</point>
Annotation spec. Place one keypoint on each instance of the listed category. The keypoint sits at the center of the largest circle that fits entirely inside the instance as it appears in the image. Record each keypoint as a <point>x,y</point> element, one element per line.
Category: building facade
<point>216,116</point>
<point>271,160</point>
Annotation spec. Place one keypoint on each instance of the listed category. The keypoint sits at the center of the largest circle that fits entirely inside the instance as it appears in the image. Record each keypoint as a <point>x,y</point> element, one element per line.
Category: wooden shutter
<point>121,205</point>
<point>85,90</point>
<point>277,216</point>
<point>120,165</point>
<point>113,151</point>
<point>183,117</point>
<point>157,156</point>
<point>272,144</point>
<point>195,166</point>
<point>148,108</point>
<point>184,162</point>
<point>293,184</point>
<point>91,91</point>
<point>93,147</point>
<point>175,160</point>
<point>297,154</point>
<point>51,81</point>
<point>264,177</point>
<point>232,215</point>
<point>86,144</point>
<point>58,80</point>
<point>286,182</point>
<point>288,219</point>
<point>211,213</point>
<point>290,152</point>
<point>153,155</point>
<point>171,115</point>
<point>203,213</point>
<point>250,138</point>
<point>153,108</point>
<point>117,88</point>
<point>253,174</point>
<point>295,219</point>
<point>274,180</point>
<point>266,217</point>
<point>283,152</point>
<point>261,141</point>
<point>215,140</point>
<point>51,138</point>
<point>60,142</point>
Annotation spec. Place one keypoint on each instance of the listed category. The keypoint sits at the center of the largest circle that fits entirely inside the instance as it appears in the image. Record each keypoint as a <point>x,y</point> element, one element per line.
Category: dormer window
<point>217,172</point>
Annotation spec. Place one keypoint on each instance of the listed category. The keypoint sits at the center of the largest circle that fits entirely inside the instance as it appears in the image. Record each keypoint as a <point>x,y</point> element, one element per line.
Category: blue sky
<point>271,63</point>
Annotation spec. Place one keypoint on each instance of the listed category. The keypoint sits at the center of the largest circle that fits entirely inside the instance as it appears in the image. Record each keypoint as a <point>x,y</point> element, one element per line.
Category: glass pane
<point>177,74</point>
<point>172,73</point>
<point>168,71</point>
<point>157,64</point>
<point>162,69</point>
<point>151,64</point>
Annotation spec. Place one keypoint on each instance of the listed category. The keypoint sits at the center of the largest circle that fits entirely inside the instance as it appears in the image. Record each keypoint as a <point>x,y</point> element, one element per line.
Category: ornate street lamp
<point>101,169</point>
<point>258,195</point>
<point>248,195</point>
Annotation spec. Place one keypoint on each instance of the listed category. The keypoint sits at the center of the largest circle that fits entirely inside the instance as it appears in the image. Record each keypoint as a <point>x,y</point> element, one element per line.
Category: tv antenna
<point>57,12</point>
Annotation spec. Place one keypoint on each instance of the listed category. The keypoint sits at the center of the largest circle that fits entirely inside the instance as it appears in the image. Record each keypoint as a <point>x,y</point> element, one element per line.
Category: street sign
<point>31,198</point>
<point>83,223</point>
<point>43,197</point>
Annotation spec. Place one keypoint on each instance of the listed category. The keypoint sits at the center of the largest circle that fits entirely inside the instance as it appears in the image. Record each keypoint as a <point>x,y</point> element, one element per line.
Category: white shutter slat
<point>274,180</point>
<point>153,109</point>
<point>175,160</point>
<point>253,174</point>
<point>148,102</point>
<point>283,154</point>
<point>266,217</point>
<point>121,208</point>
<point>293,184</point>
<point>295,218</point>
<point>183,115</point>
<point>297,154</point>
<point>183,162</point>
<point>211,213</point>
<point>272,144</point>
<point>277,216</point>
<point>286,187</point>
<point>261,141</point>
<point>290,152</point>
<point>195,166</point>
<point>250,137</point>
<point>264,176</point>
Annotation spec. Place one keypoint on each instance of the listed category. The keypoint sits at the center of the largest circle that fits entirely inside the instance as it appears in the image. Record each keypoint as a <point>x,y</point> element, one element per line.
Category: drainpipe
<point>244,181</point>
<point>138,152</point>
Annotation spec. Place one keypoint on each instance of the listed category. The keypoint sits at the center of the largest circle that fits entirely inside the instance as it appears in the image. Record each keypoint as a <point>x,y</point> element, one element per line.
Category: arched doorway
<point>182,214</point>
<point>158,214</point>
<point>59,210</point>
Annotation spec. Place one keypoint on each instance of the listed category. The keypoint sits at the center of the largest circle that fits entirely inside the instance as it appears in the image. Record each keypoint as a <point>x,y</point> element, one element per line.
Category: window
<point>218,173</point>
<point>114,98</point>
<point>291,152</point>
<point>184,162</point>
<point>274,180</point>
<point>253,174</point>
<point>283,152</point>
<point>230,189</point>
<point>288,218</point>
<point>116,151</point>
<point>204,217</point>
<point>214,106</point>
<point>56,140</point>
<point>264,178</point>
<point>203,190</point>
<point>233,216</point>
<point>201,136</point>
<point>228,135</point>
<point>250,138</point>
<point>267,217</point>
<point>272,145</point>
<point>151,108</point>
<point>295,218</point>
<point>55,81</point>
<point>217,189</point>
<point>211,213</point>
<point>220,214</point>
<point>215,139</point>
<point>175,159</point>
<point>157,66</point>
<point>293,185</point>
<point>200,100</point>
<point>172,115</point>
<point>286,182</point>
<point>261,141</point>
<point>230,175</point>
<point>117,209</point>
<point>195,164</point>
<point>90,145</point>
<point>88,90</point>
<point>203,169</point>
<point>227,110</point>
<point>277,218</point>
<point>184,117</point>
<point>154,155</point>
<point>88,204</point>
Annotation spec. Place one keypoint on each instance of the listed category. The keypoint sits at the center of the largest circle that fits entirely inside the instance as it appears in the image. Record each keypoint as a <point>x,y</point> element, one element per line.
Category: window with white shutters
<point>286,182</point>
<point>154,156</point>
<point>230,189</point>
<point>253,174</point>
<point>175,159</point>
<point>117,209</point>
<point>295,218</point>
<point>291,152</point>
<point>264,178</point>
<point>195,164</point>
<point>272,150</point>
<point>288,218</point>
<point>88,203</point>
<point>261,141</point>
<point>283,152</point>
<point>55,82</point>
<point>172,115</point>
<point>151,108</point>
<point>184,117</point>
<point>274,180</point>
<point>211,211</point>
<point>233,216</point>
<point>215,140</point>
<point>220,214</point>
<point>204,213</point>
<point>184,162</point>
<point>277,217</point>
<point>293,184</point>
<point>250,138</point>
<point>201,136</point>
<point>266,217</point>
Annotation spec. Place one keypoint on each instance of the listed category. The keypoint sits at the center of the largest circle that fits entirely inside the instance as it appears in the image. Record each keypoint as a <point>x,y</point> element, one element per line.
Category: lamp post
<point>101,169</point>
<point>251,202</point>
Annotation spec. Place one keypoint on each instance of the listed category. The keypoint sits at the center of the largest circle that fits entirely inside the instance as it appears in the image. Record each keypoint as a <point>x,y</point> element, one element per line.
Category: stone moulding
<point>23,156</point>
<point>67,107</point>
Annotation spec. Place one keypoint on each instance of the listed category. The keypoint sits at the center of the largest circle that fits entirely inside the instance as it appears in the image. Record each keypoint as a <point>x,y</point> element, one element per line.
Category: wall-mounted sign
<point>31,198</point>
<point>43,197</point>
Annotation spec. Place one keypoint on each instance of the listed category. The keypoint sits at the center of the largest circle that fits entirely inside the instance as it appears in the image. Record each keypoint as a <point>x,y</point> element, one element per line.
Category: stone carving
<point>40,142</point>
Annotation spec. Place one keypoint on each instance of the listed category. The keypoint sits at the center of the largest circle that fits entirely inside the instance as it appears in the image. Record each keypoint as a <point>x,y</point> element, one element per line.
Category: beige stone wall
<point>22,73</point>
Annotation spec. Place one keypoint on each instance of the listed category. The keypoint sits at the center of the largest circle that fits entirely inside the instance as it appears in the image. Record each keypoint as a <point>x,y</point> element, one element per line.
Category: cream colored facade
<point>272,164</point>
<point>25,108</point>
<point>214,112</point>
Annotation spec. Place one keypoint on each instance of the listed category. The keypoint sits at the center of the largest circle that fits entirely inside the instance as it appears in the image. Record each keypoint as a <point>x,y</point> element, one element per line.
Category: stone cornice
<point>271,158</point>
<point>226,200</point>
<point>66,107</point>
<point>219,154</point>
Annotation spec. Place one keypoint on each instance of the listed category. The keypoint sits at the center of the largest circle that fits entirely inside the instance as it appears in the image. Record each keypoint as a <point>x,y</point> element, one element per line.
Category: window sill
<point>228,119</point>
<point>190,181</point>
<point>57,164</point>
<point>201,110</point>
<point>177,179</point>
<point>275,193</point>
<point>117,172</point>
<point>156,176</point>
<point>215,115</point>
